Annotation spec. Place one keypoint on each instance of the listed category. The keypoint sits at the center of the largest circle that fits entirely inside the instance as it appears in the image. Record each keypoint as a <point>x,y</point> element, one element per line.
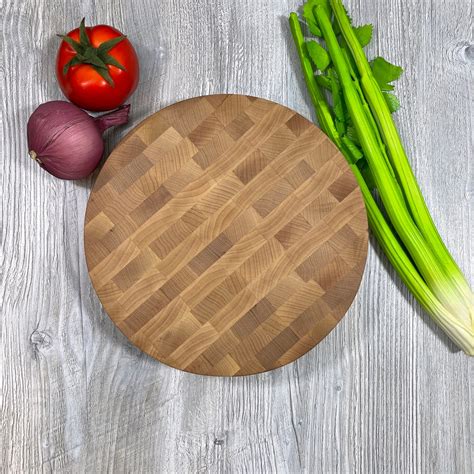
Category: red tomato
<point>82,84</point>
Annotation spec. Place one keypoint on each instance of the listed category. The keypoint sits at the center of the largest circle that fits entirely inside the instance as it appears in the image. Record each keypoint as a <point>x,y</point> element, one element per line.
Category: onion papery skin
<point>66,141</point>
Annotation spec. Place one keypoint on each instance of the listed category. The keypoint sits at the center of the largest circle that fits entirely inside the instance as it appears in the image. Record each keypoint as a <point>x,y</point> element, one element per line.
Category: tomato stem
<point>99,58</point>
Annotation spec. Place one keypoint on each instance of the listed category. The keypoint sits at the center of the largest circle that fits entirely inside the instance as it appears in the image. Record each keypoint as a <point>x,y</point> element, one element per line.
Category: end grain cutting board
<point>226,235</point>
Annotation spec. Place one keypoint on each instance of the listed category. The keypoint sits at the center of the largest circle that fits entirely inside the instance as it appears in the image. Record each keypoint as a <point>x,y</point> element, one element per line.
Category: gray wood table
<point>385,392</point>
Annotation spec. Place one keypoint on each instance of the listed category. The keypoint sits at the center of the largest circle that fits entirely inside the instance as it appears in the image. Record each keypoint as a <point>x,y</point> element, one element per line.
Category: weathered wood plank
<point>385,392</point>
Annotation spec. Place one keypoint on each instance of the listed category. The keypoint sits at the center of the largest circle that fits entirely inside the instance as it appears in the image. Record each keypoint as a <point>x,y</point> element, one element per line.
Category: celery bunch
<point>358,119</point>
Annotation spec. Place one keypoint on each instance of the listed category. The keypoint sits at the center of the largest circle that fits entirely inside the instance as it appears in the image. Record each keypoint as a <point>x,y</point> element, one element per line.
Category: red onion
<point>66,141</point>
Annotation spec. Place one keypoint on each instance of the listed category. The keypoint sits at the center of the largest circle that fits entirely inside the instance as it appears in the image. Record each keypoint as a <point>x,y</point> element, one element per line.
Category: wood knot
<point>40,340</point>
<point>469,53</point>
<point>463,52</point>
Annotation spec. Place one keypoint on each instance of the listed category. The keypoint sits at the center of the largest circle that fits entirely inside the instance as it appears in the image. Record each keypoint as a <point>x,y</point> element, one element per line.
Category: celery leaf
<point>323,81</point>
<point>384,73</point>
<point>338,103</point>
<point>354,150</point>
<point>308,15</point>
<point>318,55</point>
<point>310,19</point>
<point>392,101</point>
<point>352,134</point>
<point>364,34</point>
<point>314,29</point>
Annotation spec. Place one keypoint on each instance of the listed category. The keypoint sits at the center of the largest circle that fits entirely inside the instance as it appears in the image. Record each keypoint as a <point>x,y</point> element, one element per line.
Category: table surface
<point>384,392</point>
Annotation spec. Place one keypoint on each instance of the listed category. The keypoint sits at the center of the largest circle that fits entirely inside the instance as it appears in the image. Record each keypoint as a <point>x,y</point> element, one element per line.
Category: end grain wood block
<point>232,232</point>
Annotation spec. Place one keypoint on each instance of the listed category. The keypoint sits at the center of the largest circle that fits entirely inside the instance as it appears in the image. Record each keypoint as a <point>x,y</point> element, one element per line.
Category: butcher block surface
<point>226,235</point>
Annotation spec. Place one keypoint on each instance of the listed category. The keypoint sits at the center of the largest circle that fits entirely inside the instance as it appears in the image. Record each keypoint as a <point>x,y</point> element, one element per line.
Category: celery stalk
<point>396,152</point>
<point>322,111</point>
<point>424,272</point>
<point>385,182</point>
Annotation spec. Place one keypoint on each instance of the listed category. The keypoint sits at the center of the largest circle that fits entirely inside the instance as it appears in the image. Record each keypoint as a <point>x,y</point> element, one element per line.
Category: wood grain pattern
<point>226,235</point>
<point>383,393</point>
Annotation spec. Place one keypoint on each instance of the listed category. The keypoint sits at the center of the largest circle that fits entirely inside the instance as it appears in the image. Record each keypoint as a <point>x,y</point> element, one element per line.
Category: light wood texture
<point>385,392</point>
<point>226,235</point>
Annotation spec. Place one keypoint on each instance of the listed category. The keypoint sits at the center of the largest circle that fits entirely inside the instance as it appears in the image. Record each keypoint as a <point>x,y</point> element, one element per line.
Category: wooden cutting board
<point>226,235</point>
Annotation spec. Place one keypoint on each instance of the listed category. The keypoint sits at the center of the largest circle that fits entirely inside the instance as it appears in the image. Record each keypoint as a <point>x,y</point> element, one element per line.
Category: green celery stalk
<point>386,184</point>
<point>457,330</point>
<point>396,152</point>
<point>317,98</point>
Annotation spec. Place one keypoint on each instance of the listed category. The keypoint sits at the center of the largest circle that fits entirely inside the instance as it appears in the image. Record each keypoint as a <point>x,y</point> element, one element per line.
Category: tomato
<point>97,78</point>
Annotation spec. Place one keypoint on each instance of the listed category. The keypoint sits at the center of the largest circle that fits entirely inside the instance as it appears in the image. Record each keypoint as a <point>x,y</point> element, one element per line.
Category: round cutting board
<point>226,235</point>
